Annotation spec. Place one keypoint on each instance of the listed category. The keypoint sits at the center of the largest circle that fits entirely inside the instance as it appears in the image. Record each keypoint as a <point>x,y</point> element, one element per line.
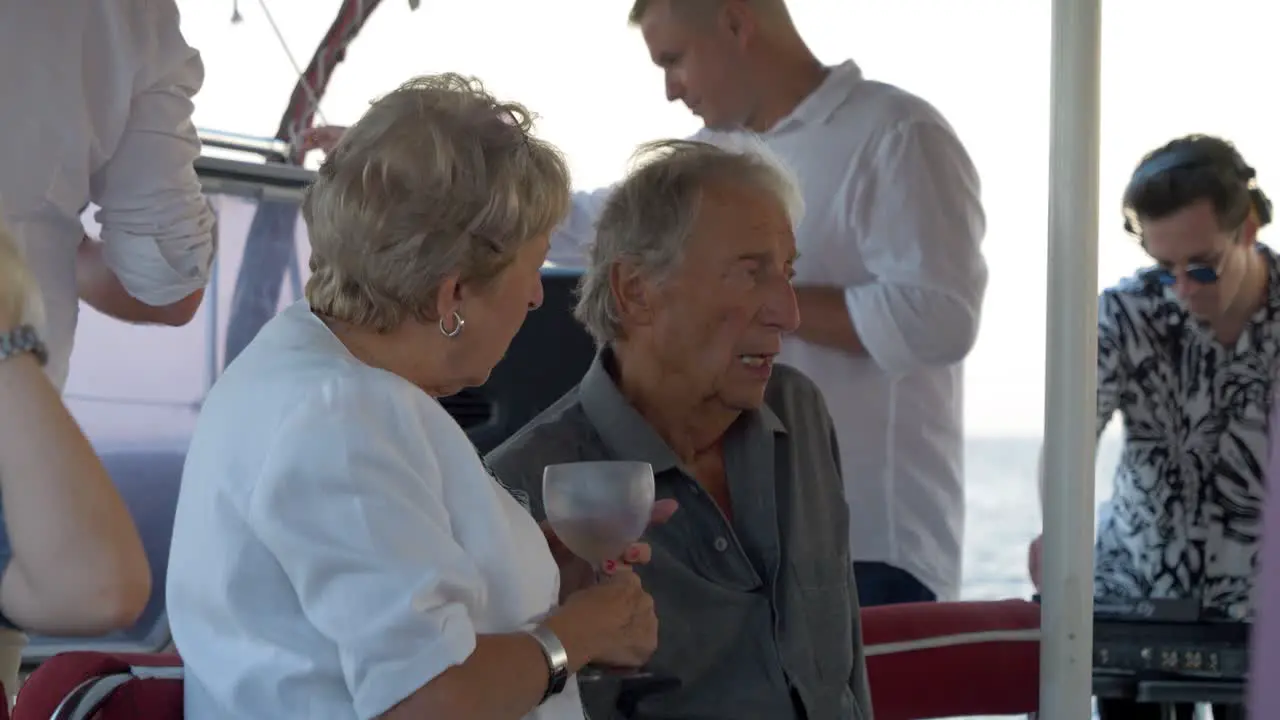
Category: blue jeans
<point>883,584</point>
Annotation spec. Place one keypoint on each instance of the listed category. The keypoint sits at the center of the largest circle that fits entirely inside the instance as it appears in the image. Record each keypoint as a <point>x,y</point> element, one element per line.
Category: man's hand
<point>101,290</point>
<point>825,320</point>
<point>323,138</point>
<point>576,573</point>
<point>1033,561</point>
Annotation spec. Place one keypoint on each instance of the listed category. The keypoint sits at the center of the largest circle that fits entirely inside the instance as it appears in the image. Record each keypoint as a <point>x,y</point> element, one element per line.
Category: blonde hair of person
<point>438,177</point>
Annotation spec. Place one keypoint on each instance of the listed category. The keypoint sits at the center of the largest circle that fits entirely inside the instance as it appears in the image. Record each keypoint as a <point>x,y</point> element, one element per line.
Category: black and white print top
<point>1184,519</point>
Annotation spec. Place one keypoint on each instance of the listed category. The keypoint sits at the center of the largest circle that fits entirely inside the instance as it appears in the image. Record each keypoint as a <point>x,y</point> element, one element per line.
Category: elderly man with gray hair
<point>689,295</point>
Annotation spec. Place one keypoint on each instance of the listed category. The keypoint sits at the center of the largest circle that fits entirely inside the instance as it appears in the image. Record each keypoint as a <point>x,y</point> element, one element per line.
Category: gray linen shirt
<point>758,617</point>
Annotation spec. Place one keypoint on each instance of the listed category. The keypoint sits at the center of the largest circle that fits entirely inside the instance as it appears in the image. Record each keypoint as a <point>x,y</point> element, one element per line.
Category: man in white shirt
<point>97,108</point>
<point>890,277</point>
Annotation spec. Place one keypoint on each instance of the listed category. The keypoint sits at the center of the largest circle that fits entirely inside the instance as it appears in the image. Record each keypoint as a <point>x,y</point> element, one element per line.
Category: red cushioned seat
<point>924,660</point>
<point>938,660</point>
<point>115,686</point>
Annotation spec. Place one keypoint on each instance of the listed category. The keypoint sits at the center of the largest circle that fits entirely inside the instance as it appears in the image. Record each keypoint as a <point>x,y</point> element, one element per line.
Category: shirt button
<point>721,544</point>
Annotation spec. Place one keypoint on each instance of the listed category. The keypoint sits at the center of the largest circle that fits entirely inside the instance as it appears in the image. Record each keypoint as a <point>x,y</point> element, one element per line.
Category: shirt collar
<point>818,107</point>
<point>625,431</point>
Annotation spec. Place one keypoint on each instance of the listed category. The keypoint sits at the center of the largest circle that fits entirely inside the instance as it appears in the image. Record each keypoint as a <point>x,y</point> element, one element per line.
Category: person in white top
<point>890,277</point>
<point>340,550</point>
<point>98,109</point>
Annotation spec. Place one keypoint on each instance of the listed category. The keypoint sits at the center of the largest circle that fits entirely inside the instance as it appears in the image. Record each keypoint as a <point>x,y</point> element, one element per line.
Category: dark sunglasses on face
<point>1199,273</point>
<point>1202,273</point>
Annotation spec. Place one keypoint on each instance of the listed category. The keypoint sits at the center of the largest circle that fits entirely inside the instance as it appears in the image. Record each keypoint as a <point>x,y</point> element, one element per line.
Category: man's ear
<point>1249,230</point>
<point>739,19</point>
<point>632,293</point>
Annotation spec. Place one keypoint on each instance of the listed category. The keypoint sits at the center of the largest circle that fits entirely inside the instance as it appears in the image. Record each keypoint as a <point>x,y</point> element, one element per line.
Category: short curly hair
<point>437,178</point>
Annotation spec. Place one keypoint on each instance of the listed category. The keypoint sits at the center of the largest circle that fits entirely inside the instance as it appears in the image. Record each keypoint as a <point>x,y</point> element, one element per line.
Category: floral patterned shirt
<point>1184,519</point>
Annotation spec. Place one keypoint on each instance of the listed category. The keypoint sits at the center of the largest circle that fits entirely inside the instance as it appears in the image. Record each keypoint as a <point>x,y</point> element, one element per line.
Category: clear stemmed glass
<point>598,509</point>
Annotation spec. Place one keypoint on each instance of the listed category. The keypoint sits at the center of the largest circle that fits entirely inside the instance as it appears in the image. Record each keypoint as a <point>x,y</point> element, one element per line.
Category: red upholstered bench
<point>937,660</point>
<point>924,660</point>
<point>103,686</point>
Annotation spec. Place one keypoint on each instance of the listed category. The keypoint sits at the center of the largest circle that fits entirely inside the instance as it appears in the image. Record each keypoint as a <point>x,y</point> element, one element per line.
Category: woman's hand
<point>611,622</point>
<point>576,573</point>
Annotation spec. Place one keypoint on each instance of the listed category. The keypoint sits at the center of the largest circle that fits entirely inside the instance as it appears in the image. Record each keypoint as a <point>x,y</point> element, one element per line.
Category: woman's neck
<point>404,351</point>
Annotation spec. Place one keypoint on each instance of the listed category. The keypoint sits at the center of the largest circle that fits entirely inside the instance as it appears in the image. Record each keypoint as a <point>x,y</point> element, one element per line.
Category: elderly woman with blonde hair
<point>340,550</point>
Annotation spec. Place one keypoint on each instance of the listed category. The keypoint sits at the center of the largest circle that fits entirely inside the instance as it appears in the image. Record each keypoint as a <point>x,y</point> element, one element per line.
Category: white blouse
<point>338,542</point>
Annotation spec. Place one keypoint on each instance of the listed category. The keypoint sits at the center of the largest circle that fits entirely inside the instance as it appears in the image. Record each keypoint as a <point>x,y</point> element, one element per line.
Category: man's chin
<point>1203,315</point>
<point>717,126</point>
<point>745,400</point>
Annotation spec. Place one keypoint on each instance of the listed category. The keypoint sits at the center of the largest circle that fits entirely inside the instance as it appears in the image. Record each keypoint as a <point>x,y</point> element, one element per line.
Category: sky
<point>1169,68</point>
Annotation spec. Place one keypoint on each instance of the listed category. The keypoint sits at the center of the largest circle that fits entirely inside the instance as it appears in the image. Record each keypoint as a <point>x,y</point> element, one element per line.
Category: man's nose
<point>675,89</point>
<point>1184,287</point>
<point>782,309</point>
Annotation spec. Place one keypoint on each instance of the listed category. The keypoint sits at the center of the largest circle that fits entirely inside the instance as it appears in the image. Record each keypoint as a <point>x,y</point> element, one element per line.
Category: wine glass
<point>598,510</point>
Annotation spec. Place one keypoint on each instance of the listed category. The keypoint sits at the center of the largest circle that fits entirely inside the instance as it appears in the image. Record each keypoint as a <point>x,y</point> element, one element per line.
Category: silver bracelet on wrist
<point>557,660</point>
<point>23,339</point>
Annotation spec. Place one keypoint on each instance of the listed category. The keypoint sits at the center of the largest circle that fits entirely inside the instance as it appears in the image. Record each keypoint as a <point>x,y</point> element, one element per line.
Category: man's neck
<point>1253,294</point>
<point>793,74</point>
<point>690,423</point>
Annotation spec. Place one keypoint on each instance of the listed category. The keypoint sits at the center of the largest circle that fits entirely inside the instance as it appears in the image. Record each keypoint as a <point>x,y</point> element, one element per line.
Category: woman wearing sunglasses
<point>1186,351</point>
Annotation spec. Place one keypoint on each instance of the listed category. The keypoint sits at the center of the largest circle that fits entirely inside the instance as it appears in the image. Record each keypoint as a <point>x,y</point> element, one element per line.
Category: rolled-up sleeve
<point>919,224</point>
<point>355,516</point>
<point>157,227</point>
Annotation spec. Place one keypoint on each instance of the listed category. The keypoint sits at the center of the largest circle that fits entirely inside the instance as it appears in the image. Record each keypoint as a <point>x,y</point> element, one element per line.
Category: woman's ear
<point>449,297</point>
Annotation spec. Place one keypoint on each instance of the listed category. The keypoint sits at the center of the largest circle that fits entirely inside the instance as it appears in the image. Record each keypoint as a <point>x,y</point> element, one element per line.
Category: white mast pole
<point>1066,655</point>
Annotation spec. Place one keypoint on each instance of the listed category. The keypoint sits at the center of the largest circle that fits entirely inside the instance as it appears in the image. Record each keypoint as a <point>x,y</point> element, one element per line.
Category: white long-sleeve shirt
<point>893,216</point>
<point>95,105</point>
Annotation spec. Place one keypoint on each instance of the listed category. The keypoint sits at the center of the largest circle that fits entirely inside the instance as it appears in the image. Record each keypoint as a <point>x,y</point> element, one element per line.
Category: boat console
<point>1168,651</point>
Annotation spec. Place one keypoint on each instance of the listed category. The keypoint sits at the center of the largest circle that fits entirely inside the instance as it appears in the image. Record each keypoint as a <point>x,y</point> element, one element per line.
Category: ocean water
<point>1003,512</point>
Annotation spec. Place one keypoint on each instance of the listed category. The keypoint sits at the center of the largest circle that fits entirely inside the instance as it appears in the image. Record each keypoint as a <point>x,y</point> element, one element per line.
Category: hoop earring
<point>457,327</point>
